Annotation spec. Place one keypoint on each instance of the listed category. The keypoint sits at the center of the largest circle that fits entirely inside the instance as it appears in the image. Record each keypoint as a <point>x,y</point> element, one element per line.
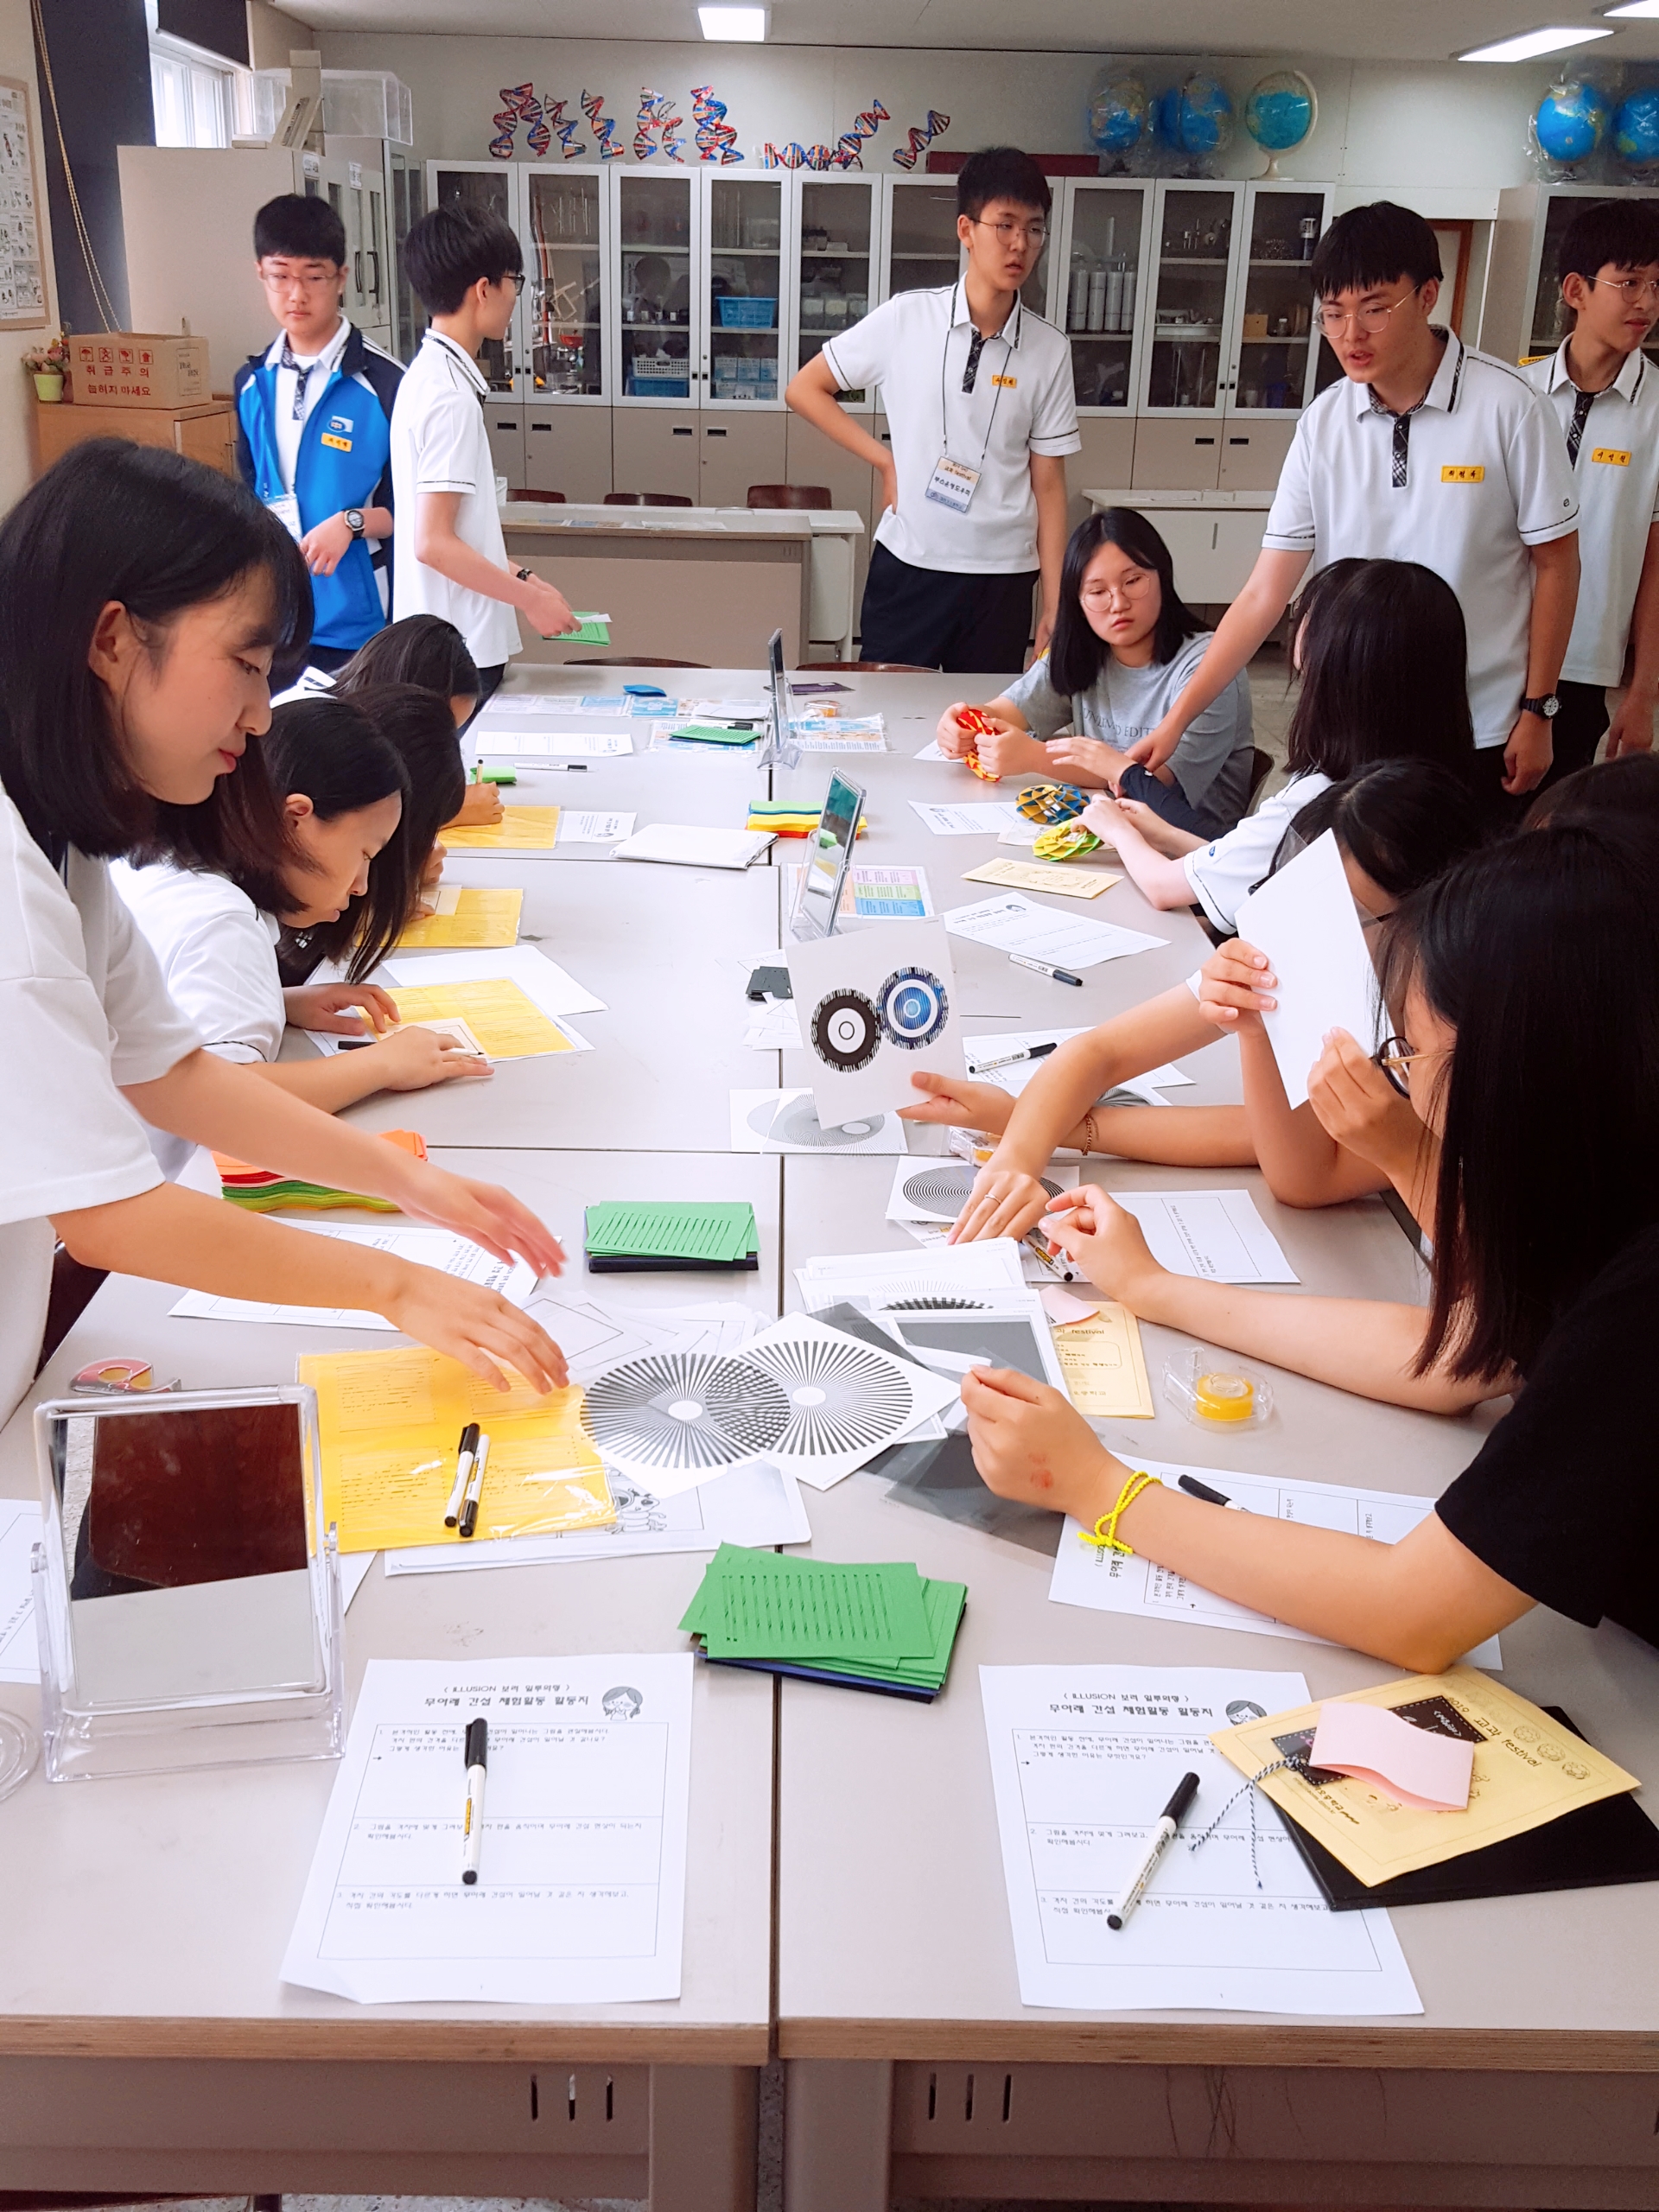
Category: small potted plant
<point>48,365</point>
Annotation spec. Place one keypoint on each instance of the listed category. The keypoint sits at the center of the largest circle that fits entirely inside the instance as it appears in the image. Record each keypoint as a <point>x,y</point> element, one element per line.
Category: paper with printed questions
<point>1217,1235</point>
<point>423,1247</point>
<point>581,1893</point>
<point>1083,1759</point>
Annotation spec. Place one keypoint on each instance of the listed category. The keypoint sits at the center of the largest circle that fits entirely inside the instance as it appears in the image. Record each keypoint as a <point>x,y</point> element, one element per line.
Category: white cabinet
<point>492,188</point>
<point>557,347</point>
<point>657,332</point>
<point>1103,247</point>
<point>745,279</point>
<point>834,232</point>
<point>1523,317</point>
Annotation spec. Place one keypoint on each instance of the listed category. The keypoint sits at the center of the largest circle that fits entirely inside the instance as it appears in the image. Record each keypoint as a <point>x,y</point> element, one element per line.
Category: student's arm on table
<point>1048,488</point>
<point>408,1059</point>
<point>1010,750</point>
<point>437,545</point>
<point>1160,878</point>
<point>815,396</point>
<point>334,1007</point>
<point>1239,634</point>
<point>1631,728</point>
<point>1419,1603</point>
<point>1554,601</point>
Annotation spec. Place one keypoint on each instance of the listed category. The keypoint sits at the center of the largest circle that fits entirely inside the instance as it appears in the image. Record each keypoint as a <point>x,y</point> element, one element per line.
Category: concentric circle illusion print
<point>686,1409</point>
<point>913,1007</point>
<point>845,1030</point>
<point>947,1189</point>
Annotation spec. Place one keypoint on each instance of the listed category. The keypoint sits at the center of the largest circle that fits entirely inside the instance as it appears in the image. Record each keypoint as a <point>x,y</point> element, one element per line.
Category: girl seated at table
<point>1544,1272</point>
<point>342,787</point>
<point>425,650</point>
<point>1123,648</point>
<point>1398,824</point>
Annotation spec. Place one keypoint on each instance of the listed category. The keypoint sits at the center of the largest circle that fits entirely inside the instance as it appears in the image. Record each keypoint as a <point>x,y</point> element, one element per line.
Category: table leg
<point>838,2134</point>
<point>702,2139</point>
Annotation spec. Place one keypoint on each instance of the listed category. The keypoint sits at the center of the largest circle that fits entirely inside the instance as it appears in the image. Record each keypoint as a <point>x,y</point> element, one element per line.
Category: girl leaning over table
<point>1526,986</point>
<point>141,596</point>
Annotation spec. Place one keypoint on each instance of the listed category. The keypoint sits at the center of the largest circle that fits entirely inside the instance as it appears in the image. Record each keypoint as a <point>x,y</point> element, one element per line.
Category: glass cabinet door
<point>922,249</point>
<point>654,236</point>
<point>744,256</point>
<point>1097,309</point>
<point>1275,341</point>
<point>1187,360</point>
<point>408,206</point>
<point>564,283</point>
<point>485,187</point>
<point>835,231</point>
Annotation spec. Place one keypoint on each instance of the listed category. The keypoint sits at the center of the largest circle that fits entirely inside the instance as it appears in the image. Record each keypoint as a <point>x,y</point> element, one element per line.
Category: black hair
<point>1001,173</point>
<point>302,226</point>
<point>1548,1041</point>
<point>1076,654</point>
<point>1304,612</point>
<point>422,649</point>
<point>1625,232</point>
<point>1373,246</point>
<point>451,248</point>
<point>159,534</point>
<point>1403,822</point>
<point>1384,675</point>
<point>1625,791</point>
<point>419,728</point>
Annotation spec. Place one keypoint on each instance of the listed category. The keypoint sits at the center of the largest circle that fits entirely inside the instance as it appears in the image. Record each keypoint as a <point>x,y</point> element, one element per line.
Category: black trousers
<point>937,618</point>
<point>1575,734</point>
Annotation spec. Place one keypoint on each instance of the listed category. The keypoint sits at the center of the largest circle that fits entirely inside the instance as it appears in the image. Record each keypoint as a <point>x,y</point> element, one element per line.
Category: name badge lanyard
<point>953,482</point>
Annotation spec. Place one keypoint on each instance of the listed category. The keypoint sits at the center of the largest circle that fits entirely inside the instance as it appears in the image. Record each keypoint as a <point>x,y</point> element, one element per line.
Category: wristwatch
<point>354,519</point>
<point>524,576</point>
<point>1550,706</point>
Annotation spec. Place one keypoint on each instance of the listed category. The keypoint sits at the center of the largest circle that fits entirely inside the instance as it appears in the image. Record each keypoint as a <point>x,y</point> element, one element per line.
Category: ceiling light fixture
<point>1557,38</point>
<point>748,26</point>
<point>1634,8</point>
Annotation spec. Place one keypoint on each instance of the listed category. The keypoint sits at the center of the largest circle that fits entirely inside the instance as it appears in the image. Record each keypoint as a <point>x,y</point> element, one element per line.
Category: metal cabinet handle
<point>679,430</point>
<point>714,434</point>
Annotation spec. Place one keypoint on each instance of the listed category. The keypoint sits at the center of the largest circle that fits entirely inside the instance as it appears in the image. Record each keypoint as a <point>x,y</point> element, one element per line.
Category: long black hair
<point>1543,954</point>
<point>158,534</point>
<point>1624,791</point>
<point>422,649</point>
<point>1403,822</point>
<point>1384,675</point>
<point>1076,655</point>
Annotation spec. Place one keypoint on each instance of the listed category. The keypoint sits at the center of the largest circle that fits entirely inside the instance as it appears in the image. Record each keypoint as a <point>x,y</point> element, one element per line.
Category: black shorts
<point>939,618</point>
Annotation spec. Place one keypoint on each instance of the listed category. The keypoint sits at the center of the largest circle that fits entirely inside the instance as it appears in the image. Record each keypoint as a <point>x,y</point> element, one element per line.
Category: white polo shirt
<point>1465,484</point>
<point>1612,447</point>
<point>439,443</point>
<point>1224,871</point>
<point>916,348</point>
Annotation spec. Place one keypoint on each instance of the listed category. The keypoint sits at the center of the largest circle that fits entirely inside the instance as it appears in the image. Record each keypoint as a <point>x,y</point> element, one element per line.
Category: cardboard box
<point>128,368</point>
<point>1256,326</point>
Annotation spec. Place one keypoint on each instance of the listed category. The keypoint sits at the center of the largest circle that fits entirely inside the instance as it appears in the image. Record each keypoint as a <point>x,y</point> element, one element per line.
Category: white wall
<point>16,392</point>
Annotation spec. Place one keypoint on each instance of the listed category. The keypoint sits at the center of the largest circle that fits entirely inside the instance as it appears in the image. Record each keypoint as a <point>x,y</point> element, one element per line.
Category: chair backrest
<point>1261,766</point>
<point>867,667</point>
<point>790,495</point>
<point>542,499</point>
<point>633,660</point>
<point>648,499</point>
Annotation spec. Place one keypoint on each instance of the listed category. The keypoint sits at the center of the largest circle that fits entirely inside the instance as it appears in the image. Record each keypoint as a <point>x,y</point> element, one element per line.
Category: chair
<point>790,495</point>
<point>633,660</point>
<point>1260,767</point>
<point>546,498</point>
<point>648,499</point>
<point>865,668</point>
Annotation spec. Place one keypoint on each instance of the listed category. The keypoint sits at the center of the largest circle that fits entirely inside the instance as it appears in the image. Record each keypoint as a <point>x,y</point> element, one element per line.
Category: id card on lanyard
<point>286,508</point>
<point>953,482</point>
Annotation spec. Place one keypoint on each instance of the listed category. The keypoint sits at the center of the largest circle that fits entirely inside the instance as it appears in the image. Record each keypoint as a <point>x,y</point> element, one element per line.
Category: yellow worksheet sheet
<point>1527,1770</point>
<point>508,1025</point>
<point>391,1425</point>
<point>1104,1366</point>
<point>482,921</point>
<point>1060,877</point>
<point>521,829</point>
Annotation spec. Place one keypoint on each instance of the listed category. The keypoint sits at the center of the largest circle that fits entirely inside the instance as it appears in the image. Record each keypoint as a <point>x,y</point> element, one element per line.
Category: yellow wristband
<point>1104,1535</point>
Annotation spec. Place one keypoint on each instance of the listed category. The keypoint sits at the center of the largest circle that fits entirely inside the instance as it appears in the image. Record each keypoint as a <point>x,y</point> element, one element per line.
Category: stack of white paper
<point>1011,924</point>
<point>426,1248</point>
<point>682,846</point>
<point>877,1278</point>
<point>523,739</point>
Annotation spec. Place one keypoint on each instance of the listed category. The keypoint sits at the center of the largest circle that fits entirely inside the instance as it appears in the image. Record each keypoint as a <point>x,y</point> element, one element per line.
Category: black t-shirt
<point>1563,1500</point>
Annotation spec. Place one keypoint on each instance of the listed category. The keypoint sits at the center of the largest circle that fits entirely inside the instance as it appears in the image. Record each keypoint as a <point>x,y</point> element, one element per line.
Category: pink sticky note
<point>1061,1307</point>
<point>1415,1765</point>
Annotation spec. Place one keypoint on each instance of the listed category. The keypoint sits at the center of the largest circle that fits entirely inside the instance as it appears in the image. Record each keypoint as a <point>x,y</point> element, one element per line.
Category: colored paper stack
<point>675,1234</point>
<point>257,1190</point>
<point>881,1628</point>
<point>784,819</point>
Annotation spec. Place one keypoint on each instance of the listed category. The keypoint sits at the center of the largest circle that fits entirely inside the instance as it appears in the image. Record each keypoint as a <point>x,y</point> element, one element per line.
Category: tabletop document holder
<point>187,1592</point>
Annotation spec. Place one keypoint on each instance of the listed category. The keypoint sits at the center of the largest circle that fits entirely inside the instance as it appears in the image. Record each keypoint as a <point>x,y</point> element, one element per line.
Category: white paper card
<point>1011,923</point>
<point>547,985</point>
<point>787,1120</point>
<point>1305,920</point>
<point>681,845</point>
<point>874,1007</point>
<point>1217,1235</point>
<point>592,829</point>
<point>848,1400</point>
<point>973,818</point>
<point>427,1248</point>
<point>580,1894</point>
<point>1083,1760</point>
<point>522,740</point>
<point>20,1531</point>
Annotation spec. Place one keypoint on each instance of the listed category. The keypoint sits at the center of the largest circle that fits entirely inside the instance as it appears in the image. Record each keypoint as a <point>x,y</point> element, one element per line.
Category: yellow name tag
<point>1008,384</point>
<point>1466,473</point>
<point>1613,456</point>
<point>340,445</point>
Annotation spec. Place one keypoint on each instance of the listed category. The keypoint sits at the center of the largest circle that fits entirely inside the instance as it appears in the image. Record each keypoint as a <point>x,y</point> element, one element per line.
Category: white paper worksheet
<point>547,985</point>
<point>1083,1759</point>
<point>1015,1075</point>
<point>1305,920</point>
<point>425,1247</point>
<point>1217,1235</point>
<point>525,740</point>
<point>1107,1582</point>
<point>580,1894</point>
<point>973,818</point>
<point>20,1531</point>
<point>1011,923</point>
<point>594,829</point>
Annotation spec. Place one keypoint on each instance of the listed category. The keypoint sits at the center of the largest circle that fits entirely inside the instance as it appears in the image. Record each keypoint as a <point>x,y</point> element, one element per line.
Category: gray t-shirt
<point>1211,764</point>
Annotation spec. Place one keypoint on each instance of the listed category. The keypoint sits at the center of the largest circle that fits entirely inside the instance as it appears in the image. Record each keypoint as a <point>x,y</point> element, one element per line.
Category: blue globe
<point>1571,123</point>
<point>1118,115</point>
<point>1197,117</point>
<point>1636,130</point>
<point>1280,112</point>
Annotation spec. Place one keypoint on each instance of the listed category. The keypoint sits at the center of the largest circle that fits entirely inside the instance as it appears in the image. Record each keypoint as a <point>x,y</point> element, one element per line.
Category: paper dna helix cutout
<point>519,104</point>
<point>849,150</point>
<point>603,126</point>
<point>655,115</point>
<point>716,139</point>
<point>920,135</point>
<point>565,131</point>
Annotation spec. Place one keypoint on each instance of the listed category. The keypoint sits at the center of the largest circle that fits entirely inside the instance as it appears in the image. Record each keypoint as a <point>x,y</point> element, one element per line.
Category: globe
<point>1636,130</point>
<point>1195,117</point>
<point>1571,123</point>
<point>1281,111</point>
<point>1118,115</point>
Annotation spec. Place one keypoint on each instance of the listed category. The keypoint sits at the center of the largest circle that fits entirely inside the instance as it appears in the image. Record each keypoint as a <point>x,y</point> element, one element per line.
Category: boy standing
<point>314,424</point>
<point>1425,452</point>
<point>1606,394</point>
<point>452,558</point>
<point>978,396</point>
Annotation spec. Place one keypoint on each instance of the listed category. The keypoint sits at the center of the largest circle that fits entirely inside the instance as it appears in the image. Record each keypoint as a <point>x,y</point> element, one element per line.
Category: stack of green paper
<point>872,1627</point>
<point>630,1237</point>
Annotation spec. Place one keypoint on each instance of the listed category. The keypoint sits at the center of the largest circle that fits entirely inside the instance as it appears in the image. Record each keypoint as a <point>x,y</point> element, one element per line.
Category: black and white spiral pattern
<point>686,1409</point>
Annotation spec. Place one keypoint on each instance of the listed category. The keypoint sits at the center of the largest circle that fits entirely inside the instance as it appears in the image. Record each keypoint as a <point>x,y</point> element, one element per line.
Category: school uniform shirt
<point>1464,483</point>
<point>1612,448</point>
<point>1561,1499</point>
<point>217,954</point>
<point>1222,872</point>
<point>83,1009</point>
<point>439,443</point>
<point>1211,764</point>
<point>989,402</point>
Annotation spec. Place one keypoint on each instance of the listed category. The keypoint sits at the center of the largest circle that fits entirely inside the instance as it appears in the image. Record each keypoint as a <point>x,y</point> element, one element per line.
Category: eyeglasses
<point>1394,1056</point>
<point>1334,321</point>
<point>1013,233</point>
<point>285,280</point>
<point>1638,291</point>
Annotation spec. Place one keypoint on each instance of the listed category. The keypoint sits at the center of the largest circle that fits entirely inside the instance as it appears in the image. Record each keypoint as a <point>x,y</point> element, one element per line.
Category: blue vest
<point>345,448</point>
